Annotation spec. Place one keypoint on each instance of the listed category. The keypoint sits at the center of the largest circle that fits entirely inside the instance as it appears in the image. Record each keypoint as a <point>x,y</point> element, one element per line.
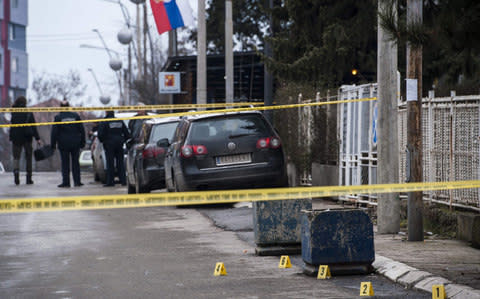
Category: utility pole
<point>268,78</point>
<point>172,43</point>
<point>229,93</point>
<point>201,55</point>
<point>139,45</point>
<point>414,123</point>
<point>145,29</point>
<point>388,209</point>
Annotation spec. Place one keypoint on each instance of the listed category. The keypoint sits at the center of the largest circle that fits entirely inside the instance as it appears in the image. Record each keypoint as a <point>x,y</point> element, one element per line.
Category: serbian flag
<point>171,14</point>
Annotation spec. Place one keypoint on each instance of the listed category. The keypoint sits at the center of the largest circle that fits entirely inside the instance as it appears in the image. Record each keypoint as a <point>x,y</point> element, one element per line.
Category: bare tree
<point>47,86</point>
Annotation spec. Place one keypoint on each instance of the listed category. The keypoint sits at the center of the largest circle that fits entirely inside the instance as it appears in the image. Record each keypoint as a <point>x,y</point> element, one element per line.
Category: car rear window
<point>165,130</point>
<point>229,127</point>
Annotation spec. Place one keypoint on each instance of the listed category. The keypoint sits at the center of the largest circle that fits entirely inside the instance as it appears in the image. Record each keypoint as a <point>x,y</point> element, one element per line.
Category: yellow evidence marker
<point>220,269</point>
<point>366,289</point>
<point>438,291</point>
<point>323,272</point>
<point>285,262</point>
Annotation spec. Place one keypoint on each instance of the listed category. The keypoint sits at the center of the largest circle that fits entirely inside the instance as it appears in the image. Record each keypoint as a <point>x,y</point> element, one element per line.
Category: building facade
<point>13,50</point>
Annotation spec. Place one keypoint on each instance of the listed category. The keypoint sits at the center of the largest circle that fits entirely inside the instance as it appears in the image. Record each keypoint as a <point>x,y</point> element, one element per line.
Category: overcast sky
<point>57,28</point>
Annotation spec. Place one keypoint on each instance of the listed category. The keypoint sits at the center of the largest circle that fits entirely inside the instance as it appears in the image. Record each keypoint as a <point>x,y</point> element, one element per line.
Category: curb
<point>420,280</point>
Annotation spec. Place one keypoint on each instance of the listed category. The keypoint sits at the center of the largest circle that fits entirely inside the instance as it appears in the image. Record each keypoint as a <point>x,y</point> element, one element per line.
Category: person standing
<point>70,139</point>
<point>21,138</point>
<point>113,135</point>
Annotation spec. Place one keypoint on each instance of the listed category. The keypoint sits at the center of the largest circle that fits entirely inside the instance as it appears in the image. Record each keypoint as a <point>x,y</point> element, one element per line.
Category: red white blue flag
<point>171,14</point>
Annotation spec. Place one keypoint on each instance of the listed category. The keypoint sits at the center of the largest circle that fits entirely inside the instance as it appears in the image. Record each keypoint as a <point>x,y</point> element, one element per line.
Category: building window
<point>14,3</point>
<point>11,95</point>
<point>14,64</point>
<point>11,32</point>
<point>1,61</point>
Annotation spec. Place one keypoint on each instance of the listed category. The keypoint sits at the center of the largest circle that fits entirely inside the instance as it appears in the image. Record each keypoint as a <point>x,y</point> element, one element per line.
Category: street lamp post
<point>115,64</point>
<point>103,98</point>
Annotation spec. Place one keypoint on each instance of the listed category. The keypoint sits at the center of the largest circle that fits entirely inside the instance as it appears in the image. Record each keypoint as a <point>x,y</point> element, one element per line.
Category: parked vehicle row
<point>145,171</point>
<point>214,151</point>
<point>202,152</point>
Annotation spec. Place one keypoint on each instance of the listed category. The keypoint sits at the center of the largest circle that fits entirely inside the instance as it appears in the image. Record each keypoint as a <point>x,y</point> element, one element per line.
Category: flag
<point>171,14</point>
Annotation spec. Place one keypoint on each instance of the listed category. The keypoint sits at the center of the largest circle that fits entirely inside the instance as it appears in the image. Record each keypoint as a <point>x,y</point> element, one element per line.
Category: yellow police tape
<point>129,108</point>
<point>262,108</point>
<point>215,197</point>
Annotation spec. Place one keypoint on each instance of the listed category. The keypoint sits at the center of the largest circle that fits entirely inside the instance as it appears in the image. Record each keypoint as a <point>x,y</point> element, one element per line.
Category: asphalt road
<point>148,253</point>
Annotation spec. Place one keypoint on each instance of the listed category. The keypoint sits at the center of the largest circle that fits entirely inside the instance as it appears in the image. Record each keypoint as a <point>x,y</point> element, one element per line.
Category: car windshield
<point>229,127</point>
<point>165,130</point>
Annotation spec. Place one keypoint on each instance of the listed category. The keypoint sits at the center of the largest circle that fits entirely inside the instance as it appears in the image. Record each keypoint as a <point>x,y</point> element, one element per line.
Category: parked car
<point>224,151</point>
<point>145,157</point>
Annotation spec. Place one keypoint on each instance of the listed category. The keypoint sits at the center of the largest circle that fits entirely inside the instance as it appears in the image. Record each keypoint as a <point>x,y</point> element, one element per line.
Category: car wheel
<point>138,186</point>
<point>178,184</point>
<point>168,182</point>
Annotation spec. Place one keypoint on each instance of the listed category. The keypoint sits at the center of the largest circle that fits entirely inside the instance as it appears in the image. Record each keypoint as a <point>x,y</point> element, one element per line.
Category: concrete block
<point>337,236</point>
<point>279,222</point>
<point>427,283</point>
<point>412,277</point>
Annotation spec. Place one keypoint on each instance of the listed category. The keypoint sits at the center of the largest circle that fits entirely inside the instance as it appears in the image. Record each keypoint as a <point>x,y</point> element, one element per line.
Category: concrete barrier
<point>277,226</point>
<point>339,238</point>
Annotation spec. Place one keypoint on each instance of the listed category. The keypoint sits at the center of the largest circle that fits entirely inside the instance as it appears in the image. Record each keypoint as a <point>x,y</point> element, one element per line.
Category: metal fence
<point>358,148</point>
<point>450,128</point>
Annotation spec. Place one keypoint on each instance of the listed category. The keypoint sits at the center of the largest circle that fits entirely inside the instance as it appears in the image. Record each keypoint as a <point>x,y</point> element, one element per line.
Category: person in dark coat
<point>21,138</point>
<point>70,139</point>
<point>113,135</point>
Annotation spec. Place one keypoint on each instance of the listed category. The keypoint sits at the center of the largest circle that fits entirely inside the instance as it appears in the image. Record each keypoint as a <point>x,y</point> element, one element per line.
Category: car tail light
<point>199,150</point>
<point>152,151</point>
<point>275,142</point>
<point>263,142</point>
<point>190,150</point>
<point>272,142</point>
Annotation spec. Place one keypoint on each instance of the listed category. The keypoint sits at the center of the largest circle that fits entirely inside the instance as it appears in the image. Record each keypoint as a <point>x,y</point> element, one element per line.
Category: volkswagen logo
<point>231,146</point>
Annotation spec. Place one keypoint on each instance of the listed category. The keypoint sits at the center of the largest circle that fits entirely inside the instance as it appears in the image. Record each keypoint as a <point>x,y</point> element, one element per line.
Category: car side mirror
<point>163,142</point>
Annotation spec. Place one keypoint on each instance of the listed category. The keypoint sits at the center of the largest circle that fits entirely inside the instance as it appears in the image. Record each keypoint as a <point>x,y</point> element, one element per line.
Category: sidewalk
<point>415,265</point>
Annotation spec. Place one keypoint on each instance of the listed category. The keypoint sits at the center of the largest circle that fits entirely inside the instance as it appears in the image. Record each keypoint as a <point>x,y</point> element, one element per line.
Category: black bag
<point>43,153</point>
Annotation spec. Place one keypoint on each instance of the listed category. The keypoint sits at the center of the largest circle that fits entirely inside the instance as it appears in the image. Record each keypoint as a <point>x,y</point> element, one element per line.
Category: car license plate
<point>234,159</point>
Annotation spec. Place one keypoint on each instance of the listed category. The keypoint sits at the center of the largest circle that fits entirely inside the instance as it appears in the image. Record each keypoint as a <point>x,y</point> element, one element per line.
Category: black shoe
<point>124,184</point>
<point>108,185</point>
<point>29,182</point>
<point>63,186</point>
<point>79,185</point>
<point>16,175</point>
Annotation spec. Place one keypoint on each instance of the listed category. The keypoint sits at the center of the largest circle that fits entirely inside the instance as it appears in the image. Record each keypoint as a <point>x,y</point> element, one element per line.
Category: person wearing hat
<point>21,138</point>
<point>70,139</point>
<point>113,135</point>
